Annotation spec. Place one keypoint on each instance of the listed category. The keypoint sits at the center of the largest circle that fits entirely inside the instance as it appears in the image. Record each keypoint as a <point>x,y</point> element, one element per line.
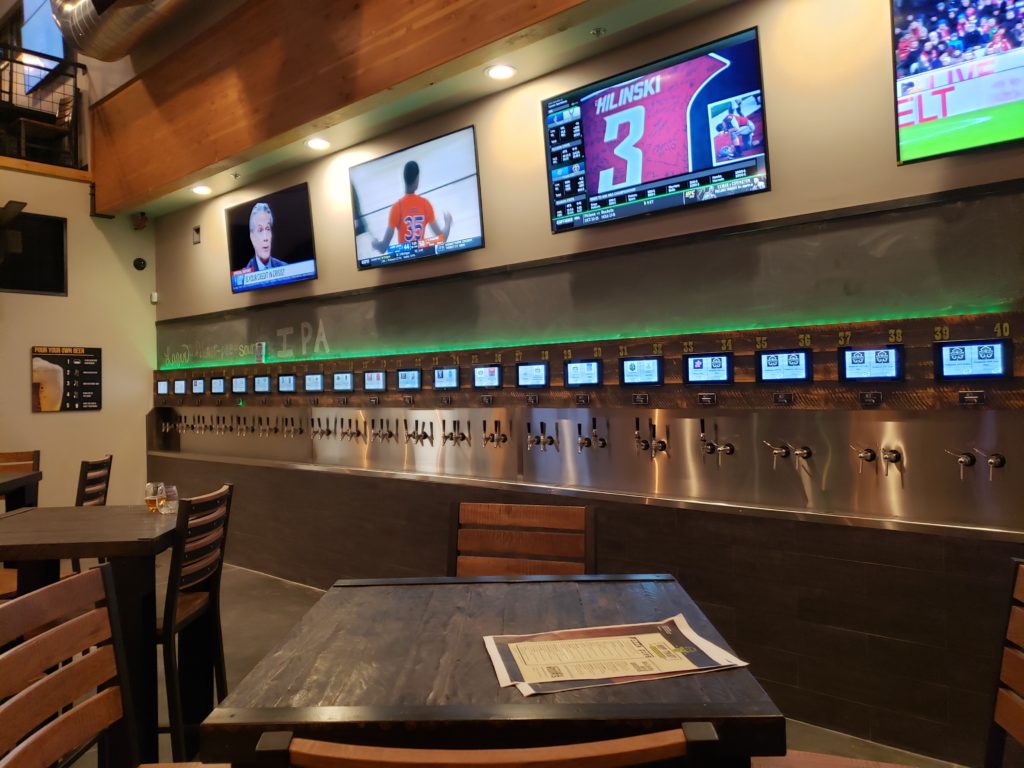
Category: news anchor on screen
<point>412,214</point>
<point>261,232</point>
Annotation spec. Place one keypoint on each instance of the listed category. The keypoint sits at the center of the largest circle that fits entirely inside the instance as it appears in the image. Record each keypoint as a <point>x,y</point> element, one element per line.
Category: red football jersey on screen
<point>636,132</point>
<point>410,216</point>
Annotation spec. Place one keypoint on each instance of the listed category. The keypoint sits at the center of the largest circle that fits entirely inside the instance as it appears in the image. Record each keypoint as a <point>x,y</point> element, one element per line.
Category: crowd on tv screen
<point>937,33</point>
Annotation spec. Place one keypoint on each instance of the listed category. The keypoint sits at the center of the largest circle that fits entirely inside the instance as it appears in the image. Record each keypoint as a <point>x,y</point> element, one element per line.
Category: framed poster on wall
<point>66,379</point>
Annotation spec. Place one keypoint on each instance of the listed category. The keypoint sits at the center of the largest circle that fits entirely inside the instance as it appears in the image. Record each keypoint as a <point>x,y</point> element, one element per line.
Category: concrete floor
<point>259,611</point>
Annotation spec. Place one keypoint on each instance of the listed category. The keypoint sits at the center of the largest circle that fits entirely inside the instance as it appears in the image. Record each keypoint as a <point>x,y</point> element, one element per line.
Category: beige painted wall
<point>107,306</point>
<point>828,96</point>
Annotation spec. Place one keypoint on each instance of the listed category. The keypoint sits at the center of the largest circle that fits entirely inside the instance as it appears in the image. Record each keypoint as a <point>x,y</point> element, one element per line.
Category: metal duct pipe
<point>108,30</point>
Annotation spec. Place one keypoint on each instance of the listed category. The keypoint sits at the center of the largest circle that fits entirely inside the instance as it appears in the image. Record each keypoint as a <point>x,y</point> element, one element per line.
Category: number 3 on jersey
<point>633,118</point>
<point>414,228</point>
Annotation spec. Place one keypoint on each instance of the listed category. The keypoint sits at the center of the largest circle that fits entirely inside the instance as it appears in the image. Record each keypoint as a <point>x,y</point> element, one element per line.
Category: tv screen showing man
<point>270,240</point>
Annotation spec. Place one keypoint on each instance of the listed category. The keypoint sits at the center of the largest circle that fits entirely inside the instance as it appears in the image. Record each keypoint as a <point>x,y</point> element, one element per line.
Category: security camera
<point>139,264</point>
<point>139,220</point>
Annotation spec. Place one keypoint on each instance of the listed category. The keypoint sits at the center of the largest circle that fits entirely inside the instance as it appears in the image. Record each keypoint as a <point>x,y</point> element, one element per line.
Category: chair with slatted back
<point>54,709</point>
<point>93,482</point>
<point>15,461</point>
<point>1008,720</point>
<point>193,591</point>
<point>691,742</point>
<point>522,540</point>
<point>45,137</point>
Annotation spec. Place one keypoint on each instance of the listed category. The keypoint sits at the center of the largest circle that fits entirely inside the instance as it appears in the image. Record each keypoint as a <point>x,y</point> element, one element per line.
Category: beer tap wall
<point>874,421</point>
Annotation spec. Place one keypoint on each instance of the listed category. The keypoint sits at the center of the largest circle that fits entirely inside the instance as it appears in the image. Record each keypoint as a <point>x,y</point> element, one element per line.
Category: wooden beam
<point>44,169</point>
<point>275,66</point>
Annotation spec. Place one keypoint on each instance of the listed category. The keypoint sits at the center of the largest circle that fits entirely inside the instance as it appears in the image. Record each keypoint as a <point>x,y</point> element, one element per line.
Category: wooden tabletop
<point>411,651</point>
<point>47,533</point>
<point>10,481</point>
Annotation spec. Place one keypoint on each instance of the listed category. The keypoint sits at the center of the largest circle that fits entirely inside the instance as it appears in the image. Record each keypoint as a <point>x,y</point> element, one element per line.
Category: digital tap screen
<point>641,370</point>
<point>163,388</point>
<point>343,381</point>
<point>446,378</point>
<point>707,369</point>
<point>239,385</point>
<point>409,379</point>
<point>198,386</point>
<point>582,373</point>
<point>313,382</point>
<point>286,382</point>
<point>793,365</point>
<point>374,381</point>
<point>880,364</point>
<point>486,376</point>
<point>974,359</point>
<point>532,375</point>
<point>179,386</point>
<point>261,385</point>
<point>217,385</point>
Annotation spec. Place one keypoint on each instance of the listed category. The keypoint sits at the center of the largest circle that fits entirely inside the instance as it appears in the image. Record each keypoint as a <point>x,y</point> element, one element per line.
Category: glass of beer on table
<point>155,496</point>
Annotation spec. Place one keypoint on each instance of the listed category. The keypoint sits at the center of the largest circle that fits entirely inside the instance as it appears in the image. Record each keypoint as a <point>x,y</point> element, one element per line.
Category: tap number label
<point>545,355</point>
<point>656,348</point>
<point>844,338</point>
<point>726,345</point>
<point>455,359</point>
<point>940,333</point>
<point>803,339</point>
<point>623,350</point>
<point>519,355</point>
<point>760,342</point>
<point>497,357</point>
<point>598,352</point>
<point>435,360</point>
<point>474,359</point>
<point>567,353</point>
<point>1001,330</point>
<point>687,347</point>
<point>895,335</point>
<point>417,362</point>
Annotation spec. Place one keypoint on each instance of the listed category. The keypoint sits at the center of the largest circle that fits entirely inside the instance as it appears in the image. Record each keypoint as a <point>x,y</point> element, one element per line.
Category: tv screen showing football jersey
<point>678,132</point>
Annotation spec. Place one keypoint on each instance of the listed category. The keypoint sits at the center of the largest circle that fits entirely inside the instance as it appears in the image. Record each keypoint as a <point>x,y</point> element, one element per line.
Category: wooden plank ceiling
<point>266,75</point>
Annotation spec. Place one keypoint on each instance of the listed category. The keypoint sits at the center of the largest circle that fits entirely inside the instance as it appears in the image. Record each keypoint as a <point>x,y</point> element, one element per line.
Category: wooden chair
<point>93,482</point>
<point>1008,719</point>
<point>15,461</point>
<point>522,540</point>
<point>54,709</point>
<point>695,740</point>
<point>193,591</point>
<point>36,134</point>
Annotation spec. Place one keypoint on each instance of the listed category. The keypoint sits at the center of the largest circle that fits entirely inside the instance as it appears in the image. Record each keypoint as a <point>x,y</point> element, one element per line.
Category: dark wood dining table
<point>402,662</point>
<point>35,539</point>
<point>20,489</point>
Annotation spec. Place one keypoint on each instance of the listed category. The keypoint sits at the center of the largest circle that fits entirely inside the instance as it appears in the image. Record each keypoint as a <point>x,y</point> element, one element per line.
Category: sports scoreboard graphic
<point>680,131</point>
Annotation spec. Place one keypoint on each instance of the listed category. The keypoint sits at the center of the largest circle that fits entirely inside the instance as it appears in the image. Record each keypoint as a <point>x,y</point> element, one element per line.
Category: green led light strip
<point>521,342</point>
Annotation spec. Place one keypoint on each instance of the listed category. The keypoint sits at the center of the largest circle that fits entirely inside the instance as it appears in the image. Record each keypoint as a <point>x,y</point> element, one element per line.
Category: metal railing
<point>39,107</point>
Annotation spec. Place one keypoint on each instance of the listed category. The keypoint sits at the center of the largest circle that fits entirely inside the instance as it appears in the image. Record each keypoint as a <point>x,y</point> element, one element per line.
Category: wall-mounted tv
<point>270,240</point>
<point>677,132</point>
<point>33,254</point>
<point>959,67</point>
<point>417,203</point>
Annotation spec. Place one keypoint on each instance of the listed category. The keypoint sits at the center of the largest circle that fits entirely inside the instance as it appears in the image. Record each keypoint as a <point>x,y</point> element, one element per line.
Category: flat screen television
<point>39,34</point>
<point>677,132</point>
<point>418,203</point>
<point>270,240</point>
<point>33,255</point>
<point>958,73</point>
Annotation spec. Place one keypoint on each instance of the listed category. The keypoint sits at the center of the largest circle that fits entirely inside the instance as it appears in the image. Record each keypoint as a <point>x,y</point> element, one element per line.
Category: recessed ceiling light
<point>318,144</point>
<point>201,189</point>
<point>500,72</point>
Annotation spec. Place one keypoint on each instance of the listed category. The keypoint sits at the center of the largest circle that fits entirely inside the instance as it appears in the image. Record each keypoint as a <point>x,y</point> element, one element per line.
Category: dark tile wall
<point>889,636</point>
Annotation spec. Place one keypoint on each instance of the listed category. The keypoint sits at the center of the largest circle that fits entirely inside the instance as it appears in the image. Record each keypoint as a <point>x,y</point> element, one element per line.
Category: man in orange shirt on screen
<point>412,214</point>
